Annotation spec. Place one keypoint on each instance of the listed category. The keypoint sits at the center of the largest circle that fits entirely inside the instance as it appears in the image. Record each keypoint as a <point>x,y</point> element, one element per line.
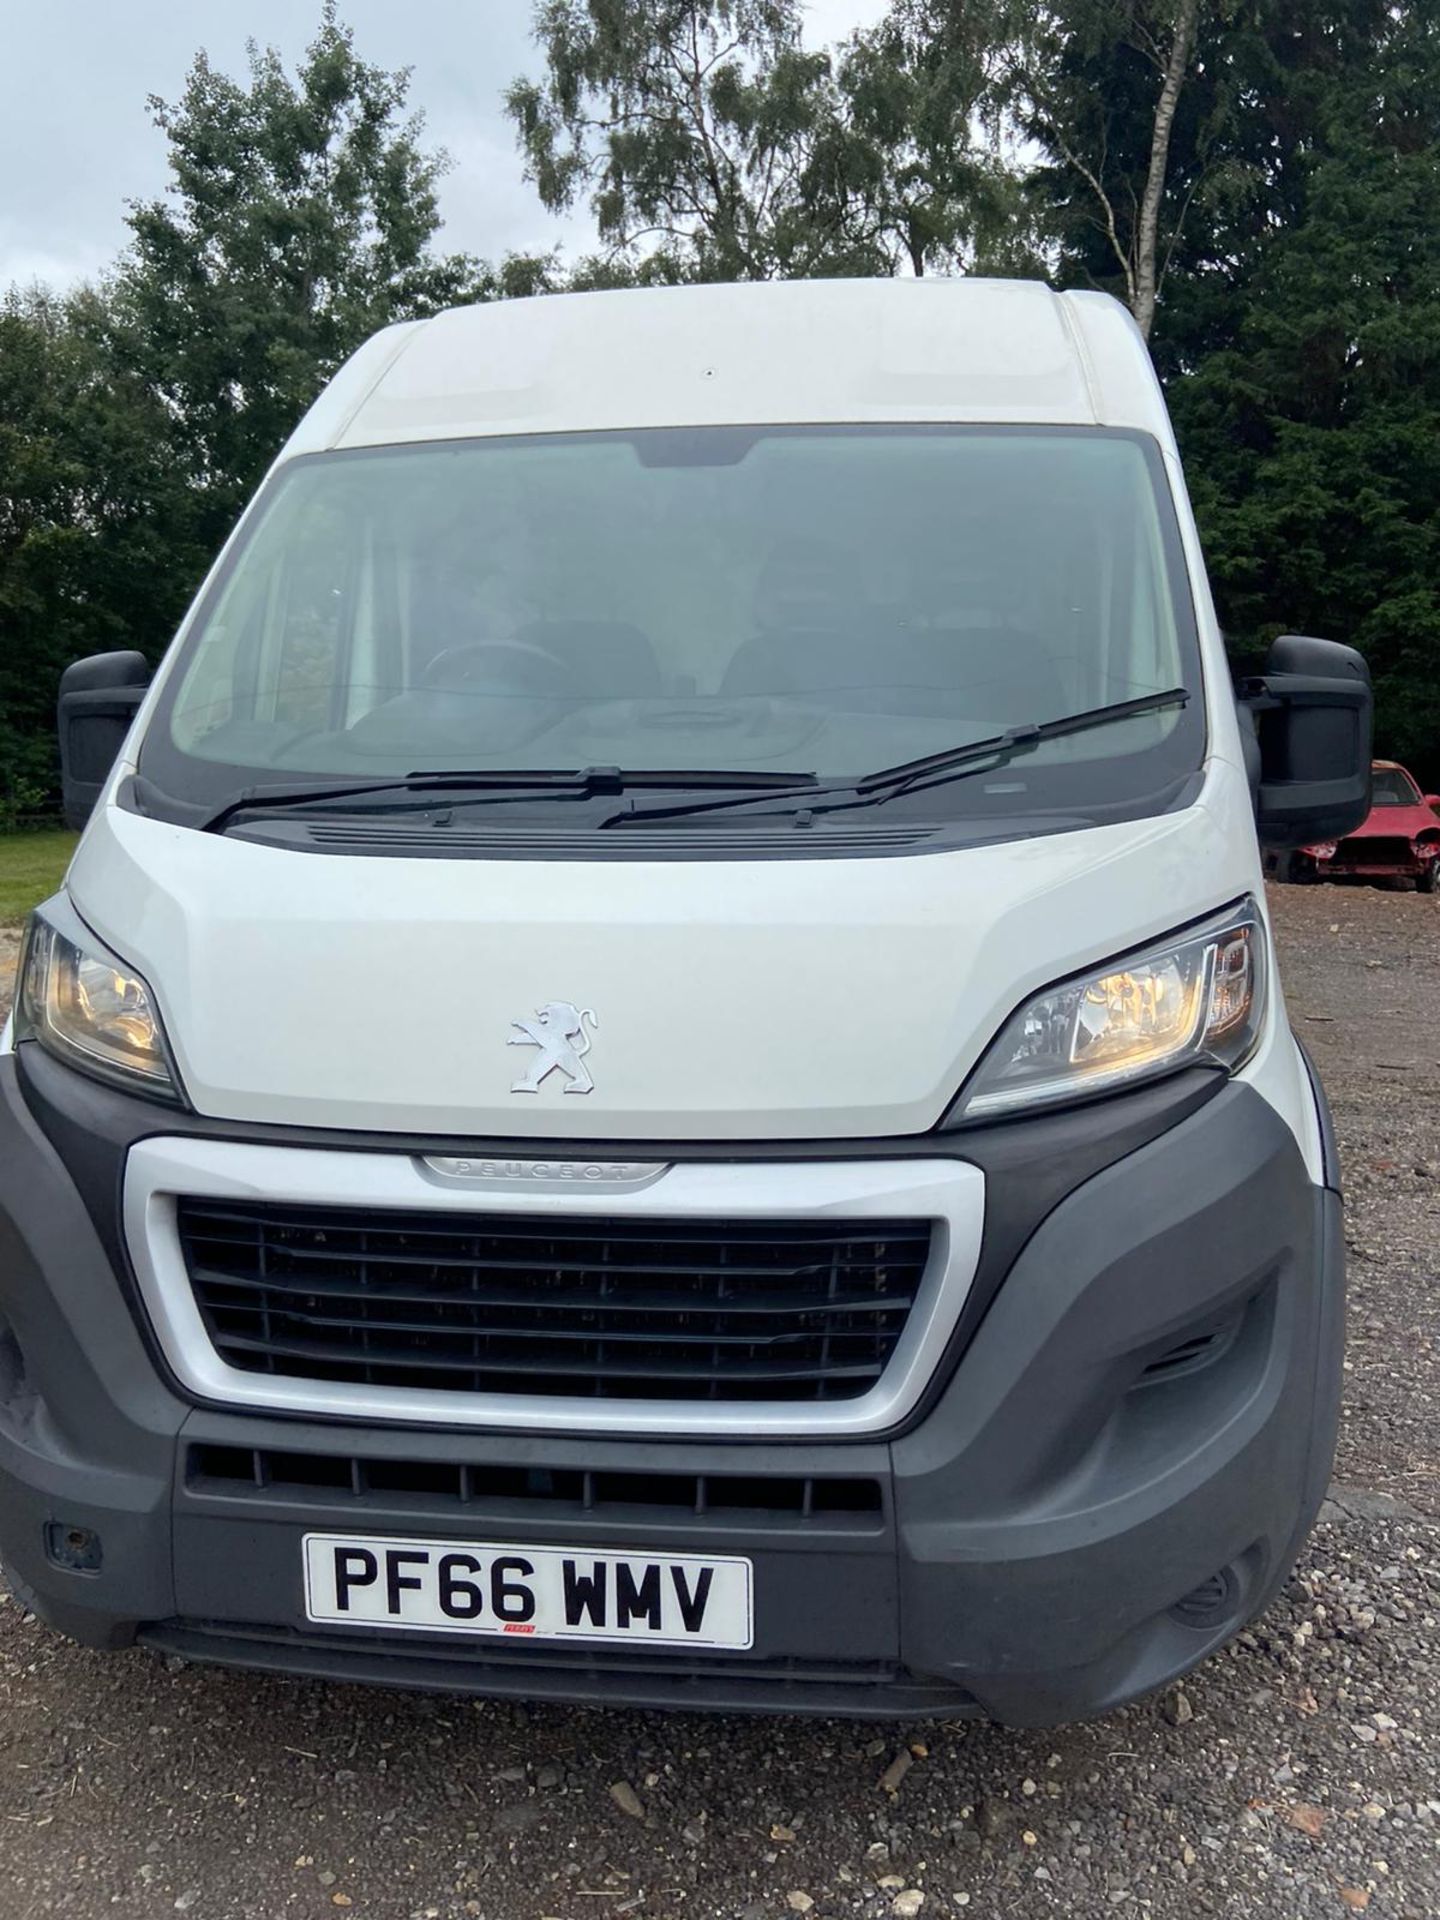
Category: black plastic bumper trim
<point>863,1689</point>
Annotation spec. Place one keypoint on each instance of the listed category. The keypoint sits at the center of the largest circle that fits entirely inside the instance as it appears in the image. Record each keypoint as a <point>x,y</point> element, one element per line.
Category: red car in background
<point>1399,840</point>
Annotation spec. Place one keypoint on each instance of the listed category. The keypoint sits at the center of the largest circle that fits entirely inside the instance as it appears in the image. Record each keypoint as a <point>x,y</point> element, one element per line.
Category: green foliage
<point>1263,176</point>
<point>32,866</point>
<point>920,146</point>
<point>1083,81</point>
<point>27,775</point>
<point>136,418</point>
<point>698,132</point>
<point>1298,324</point>
<point>1308,400</point>
<point>299,221</point>
<point>93,552</point>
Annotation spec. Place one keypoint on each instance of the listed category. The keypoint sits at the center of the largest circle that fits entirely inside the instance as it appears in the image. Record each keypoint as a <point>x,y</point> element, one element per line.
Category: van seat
<point>1000,673</point>
<point>604,659</point>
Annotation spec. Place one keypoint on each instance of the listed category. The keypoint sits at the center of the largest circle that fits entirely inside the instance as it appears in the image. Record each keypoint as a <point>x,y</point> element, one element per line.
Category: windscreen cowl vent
<point>410,840</point>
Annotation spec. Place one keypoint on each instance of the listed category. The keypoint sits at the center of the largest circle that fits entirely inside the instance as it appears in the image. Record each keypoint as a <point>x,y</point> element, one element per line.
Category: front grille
<point>564,1492</point>
<point>1374,850</point>
<point>694,1310</point>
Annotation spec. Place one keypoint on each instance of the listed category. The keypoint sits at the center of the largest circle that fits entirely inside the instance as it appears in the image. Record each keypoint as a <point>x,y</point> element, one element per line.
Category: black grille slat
<point>481,1330</point>
<point>580,1365</point>
<point>207,1223</point>
<point>651,1300</point>
<point>612,1270</point>
<point>613,1308</point>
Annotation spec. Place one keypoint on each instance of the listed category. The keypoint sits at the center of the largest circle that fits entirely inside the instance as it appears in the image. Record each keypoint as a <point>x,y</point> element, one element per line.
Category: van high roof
<point>805,351</point>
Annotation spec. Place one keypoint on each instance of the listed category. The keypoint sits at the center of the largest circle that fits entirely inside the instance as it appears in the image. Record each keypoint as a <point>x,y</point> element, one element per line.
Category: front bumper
<point>1391,859</point>
<point>1119,1459</point>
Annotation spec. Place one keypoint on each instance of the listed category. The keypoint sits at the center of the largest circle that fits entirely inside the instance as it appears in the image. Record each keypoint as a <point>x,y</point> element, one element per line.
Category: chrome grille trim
<point>949,1193</point>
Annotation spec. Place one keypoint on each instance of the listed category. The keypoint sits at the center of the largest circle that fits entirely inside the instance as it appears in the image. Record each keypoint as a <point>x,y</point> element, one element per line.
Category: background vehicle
<point>1399,839</point>
<point>660,1074</point>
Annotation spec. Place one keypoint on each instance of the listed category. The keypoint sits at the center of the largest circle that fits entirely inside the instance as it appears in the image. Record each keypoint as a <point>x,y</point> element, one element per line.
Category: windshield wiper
<point>280,797</point>
<point>432,789</point>
<point>1004,746</point>
<point>995,750</point>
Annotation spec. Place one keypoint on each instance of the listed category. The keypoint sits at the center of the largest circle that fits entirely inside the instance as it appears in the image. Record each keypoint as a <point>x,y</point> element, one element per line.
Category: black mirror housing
<point>98,700</point>
<point>1312,712</point>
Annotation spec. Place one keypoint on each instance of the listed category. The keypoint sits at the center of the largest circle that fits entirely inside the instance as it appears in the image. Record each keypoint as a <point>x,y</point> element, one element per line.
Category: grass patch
<point>31,867</point>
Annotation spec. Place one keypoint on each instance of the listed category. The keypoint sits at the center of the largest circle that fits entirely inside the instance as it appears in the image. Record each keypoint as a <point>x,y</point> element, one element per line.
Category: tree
<point>921,148</point>
<point>711,144</point>
<point>1308,400</point>
<point>691,128</point>
<point>92,511</point>
<point>299,220</point>
<point>1261,183</point>
<point>135,419</point>
<point>1098,84</point>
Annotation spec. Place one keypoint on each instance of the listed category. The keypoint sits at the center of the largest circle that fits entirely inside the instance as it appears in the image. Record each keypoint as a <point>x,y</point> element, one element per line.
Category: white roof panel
<point>755,353</point>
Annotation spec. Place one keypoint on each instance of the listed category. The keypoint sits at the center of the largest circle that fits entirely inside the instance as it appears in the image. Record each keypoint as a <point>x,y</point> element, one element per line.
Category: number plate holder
<point>519,1591</point>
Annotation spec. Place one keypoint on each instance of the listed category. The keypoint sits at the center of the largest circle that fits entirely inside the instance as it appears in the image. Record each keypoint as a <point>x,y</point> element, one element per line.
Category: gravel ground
<point>1362,977</point>
<point>1295,1775</point>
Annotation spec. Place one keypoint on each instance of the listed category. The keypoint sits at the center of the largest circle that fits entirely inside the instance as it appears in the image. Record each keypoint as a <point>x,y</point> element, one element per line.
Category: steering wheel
<point>511,666</point>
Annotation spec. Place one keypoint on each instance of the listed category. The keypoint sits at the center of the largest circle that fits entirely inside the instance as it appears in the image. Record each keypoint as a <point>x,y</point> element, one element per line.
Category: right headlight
<point>91,1011</point>
<point>1197,997</point>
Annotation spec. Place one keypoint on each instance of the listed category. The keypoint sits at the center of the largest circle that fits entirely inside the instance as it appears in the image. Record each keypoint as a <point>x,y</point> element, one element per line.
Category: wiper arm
<point>1004,746</point>
<point>432,788</point>
<point>280,797</point>
<point>995,750</point>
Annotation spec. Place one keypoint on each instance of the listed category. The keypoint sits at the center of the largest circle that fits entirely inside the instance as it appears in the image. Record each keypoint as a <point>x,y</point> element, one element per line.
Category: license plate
<point>535,1593</point>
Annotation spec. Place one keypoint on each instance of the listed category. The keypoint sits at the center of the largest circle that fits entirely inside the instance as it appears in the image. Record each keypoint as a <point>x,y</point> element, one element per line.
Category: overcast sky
<point>76,140</point>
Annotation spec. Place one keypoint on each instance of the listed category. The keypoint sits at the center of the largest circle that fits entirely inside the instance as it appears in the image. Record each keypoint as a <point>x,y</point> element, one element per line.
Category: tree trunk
<point>915,247</point>
<point>1148,228</point>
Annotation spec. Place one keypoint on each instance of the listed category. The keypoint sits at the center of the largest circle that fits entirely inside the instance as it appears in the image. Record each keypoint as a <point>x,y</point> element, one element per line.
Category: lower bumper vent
<point>240,1472</point>
<point>664,1677</point>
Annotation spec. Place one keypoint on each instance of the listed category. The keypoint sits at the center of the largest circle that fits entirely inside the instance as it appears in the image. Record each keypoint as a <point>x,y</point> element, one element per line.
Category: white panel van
<point>660,1074</point>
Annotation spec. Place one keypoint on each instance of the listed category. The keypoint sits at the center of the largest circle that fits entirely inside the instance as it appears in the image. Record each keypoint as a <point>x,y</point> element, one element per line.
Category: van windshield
<point>808,600</point>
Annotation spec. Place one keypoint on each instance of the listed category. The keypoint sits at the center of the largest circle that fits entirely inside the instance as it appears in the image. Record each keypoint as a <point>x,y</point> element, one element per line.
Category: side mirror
<point>1312,713</point>
<point>98,700</point>
<point>1432,800</point>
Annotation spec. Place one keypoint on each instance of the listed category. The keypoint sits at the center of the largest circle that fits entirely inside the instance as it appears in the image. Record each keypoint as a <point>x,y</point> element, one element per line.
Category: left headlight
<point>1198,997</point>
<point>91,1011</point>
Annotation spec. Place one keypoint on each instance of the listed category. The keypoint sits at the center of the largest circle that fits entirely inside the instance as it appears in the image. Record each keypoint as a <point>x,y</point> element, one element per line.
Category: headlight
<point>86,1007</point>
<point>1196,998</point>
